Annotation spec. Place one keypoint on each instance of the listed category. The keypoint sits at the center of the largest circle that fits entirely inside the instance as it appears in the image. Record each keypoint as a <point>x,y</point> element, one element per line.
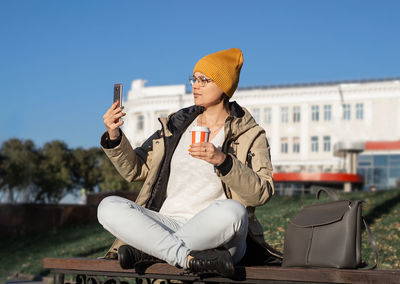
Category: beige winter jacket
<point>248,181</point>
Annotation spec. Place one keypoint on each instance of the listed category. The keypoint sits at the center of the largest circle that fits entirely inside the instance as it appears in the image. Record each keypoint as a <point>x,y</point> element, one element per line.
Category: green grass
<point>382,211</point>
<point>24,255</point>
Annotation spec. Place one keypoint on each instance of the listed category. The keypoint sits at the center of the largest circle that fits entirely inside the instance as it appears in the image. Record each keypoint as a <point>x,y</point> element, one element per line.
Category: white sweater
<point>192,183</point>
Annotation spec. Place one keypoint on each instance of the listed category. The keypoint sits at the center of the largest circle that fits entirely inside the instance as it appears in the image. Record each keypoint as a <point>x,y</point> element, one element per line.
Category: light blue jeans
<point>222,223</point>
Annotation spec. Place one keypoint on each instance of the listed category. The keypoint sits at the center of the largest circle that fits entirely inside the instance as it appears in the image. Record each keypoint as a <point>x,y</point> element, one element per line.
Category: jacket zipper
<point>159,169</point>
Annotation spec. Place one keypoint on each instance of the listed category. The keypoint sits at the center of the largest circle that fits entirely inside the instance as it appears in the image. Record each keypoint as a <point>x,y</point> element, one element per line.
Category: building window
<point>296,145</point>
<point>284,145</point>
<point>140,122</point>
<point>346,111</point>
<point>296,114</point>
<point>267,115</point>
<point>315,113</point>
<point>327,112</point>
<point>314,144</point>
<point>256,114</point>
<point>382,171</point>
<point>360,111</point>
<point>285,114</point>
<point>327,143</point>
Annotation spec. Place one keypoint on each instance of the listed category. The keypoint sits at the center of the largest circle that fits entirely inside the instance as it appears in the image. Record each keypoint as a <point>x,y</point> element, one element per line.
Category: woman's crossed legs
<point>222,223</point>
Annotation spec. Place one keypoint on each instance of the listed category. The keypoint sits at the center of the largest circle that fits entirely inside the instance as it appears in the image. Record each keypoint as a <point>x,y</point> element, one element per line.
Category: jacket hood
<point>240,119</point>
<point>180,120</point>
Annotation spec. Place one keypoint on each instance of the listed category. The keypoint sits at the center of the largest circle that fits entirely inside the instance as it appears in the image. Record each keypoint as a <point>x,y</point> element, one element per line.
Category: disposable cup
<point>200,134</point>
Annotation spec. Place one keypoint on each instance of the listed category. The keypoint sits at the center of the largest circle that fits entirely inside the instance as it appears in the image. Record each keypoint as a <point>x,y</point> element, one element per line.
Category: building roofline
<point>318,84</point>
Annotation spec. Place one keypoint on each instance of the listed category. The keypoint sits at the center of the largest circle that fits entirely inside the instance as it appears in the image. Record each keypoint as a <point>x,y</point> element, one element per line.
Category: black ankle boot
<point>218,261</point>
<point>129,257</point>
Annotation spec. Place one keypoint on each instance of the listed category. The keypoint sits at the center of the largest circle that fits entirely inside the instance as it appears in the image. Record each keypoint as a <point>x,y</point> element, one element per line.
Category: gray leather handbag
<point>327,235</point>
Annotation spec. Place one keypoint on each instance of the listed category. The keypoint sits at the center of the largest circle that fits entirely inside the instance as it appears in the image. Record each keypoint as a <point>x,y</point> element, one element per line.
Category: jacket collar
<point>238,121</point>
<point>178,121</point>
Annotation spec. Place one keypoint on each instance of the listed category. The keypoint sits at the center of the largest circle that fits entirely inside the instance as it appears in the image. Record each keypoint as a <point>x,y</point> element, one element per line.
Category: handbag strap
<point>330,192</point>
<point>373,244</point>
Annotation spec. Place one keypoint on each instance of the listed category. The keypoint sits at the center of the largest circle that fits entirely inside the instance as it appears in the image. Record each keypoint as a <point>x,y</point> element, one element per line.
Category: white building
<point>312,128</point>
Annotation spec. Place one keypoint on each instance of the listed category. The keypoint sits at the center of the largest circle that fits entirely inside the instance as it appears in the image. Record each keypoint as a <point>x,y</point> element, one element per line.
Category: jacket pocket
<point>258,160</point>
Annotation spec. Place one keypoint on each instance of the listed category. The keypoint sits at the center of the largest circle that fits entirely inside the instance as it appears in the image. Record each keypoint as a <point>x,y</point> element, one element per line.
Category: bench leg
<point>59,278</point>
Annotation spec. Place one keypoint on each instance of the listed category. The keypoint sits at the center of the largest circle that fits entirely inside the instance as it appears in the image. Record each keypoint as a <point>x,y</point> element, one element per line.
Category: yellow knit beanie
<point>223,67</point>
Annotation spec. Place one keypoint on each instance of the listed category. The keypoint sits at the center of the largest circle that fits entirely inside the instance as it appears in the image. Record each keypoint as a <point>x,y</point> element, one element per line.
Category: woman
<point>196,207</point>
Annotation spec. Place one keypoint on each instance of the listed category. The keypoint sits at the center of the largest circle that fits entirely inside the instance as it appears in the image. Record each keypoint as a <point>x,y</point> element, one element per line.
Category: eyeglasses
<point>201,80</point>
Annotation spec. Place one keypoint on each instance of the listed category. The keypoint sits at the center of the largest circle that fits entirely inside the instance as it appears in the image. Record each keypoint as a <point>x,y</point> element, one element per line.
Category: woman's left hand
<point>208,152</point>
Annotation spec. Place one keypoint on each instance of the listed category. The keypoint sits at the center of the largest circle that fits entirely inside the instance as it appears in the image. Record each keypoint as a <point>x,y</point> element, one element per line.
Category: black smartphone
<point>118,94</point>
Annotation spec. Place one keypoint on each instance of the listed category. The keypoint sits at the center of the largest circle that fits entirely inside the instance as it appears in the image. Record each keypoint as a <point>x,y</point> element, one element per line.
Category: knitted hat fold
<point>223,67</point>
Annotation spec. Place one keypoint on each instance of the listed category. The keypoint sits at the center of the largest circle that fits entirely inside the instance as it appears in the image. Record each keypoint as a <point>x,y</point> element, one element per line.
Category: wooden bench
<point>109,271</point>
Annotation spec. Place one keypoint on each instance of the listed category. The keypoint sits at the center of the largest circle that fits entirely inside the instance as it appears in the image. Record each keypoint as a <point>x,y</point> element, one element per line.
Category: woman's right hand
<point>112,120</point>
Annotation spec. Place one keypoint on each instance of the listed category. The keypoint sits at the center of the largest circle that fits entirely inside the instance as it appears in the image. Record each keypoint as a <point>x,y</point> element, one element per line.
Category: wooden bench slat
<point>328,275</point>
<point>257,273</point>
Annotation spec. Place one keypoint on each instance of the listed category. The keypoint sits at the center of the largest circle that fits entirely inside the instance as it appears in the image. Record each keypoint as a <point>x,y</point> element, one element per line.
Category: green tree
<point>18,166</point>
<point>54,178</point>
<point>85,168</point>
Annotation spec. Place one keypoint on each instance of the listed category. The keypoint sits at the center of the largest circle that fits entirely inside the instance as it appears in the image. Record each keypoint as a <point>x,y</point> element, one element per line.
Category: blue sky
<point>60,59</point>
